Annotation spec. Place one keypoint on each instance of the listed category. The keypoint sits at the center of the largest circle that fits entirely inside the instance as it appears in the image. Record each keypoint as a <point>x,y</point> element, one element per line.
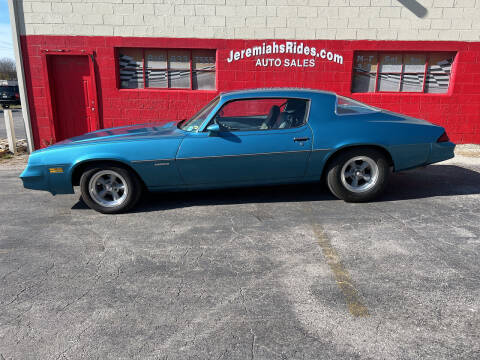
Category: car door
<point>250,148</point>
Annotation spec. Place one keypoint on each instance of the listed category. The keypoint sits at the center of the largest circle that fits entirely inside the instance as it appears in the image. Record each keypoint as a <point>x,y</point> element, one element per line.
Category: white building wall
<point>249,19</point>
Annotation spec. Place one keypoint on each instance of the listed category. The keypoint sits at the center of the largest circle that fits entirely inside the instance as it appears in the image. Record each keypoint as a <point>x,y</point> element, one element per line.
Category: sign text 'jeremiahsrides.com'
<point>288,47</point>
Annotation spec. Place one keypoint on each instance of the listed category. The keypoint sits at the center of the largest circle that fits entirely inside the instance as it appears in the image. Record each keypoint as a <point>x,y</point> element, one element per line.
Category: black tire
<point>343,187</point>
<point>131,182</point>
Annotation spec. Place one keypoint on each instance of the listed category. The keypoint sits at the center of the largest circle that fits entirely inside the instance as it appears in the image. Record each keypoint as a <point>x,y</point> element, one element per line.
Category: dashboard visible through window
<point>197,120</point>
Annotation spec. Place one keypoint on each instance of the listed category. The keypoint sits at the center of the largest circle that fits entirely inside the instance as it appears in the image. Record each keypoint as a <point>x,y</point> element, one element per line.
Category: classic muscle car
<point>243,138</point>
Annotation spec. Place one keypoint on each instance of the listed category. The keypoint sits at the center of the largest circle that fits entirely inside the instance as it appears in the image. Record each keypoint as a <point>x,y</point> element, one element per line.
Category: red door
<point>72,88</point>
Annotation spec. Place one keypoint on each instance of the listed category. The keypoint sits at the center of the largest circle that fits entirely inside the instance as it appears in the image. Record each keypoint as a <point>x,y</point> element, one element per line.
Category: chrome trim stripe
<point>255,154</point>
<point>144,161</point>
<point>236,155</point>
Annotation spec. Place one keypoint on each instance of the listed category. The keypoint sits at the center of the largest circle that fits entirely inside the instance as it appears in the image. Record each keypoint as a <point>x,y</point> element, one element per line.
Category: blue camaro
<point>243,138</point>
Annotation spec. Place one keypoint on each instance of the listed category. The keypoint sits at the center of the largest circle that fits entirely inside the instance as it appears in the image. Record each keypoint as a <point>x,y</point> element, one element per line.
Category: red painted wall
<point>458,111</point>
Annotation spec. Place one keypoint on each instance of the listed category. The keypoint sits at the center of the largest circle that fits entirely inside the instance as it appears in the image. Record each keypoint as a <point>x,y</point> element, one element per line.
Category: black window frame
<point>167,69</point>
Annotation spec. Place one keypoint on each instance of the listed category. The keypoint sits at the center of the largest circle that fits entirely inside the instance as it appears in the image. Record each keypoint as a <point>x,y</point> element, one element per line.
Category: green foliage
<point>8,70</point>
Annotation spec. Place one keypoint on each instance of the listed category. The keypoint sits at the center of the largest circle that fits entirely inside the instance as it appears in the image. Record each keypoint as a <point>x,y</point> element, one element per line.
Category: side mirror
<point>213,129</point>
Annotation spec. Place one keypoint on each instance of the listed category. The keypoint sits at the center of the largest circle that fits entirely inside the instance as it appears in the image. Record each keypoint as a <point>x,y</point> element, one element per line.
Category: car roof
<point>276,92</point>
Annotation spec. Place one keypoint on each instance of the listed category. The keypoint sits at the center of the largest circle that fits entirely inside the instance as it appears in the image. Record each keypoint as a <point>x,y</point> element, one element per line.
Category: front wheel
<point>110,189</point>
<point>358,175</point>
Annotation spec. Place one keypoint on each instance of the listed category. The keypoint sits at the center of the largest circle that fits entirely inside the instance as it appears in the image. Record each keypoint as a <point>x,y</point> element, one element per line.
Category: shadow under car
<point>430,181</point>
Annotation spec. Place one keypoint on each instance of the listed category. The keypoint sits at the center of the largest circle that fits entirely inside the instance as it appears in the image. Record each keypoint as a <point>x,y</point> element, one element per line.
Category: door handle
<point>301,139</point>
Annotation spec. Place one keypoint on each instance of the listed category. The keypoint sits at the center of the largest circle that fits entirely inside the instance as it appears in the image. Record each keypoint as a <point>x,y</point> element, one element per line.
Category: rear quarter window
<point>346,106</point>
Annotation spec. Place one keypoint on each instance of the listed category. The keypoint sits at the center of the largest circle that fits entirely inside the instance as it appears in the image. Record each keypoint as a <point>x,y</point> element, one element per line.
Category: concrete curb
<point>469,150</point>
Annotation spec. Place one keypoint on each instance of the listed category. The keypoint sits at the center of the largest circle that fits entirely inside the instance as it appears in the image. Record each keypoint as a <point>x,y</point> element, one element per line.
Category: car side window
<point>261,114</point>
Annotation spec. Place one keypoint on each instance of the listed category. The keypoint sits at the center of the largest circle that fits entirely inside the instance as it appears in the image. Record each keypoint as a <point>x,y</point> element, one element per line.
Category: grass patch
<point>6,156</point>
<point>12,107</point>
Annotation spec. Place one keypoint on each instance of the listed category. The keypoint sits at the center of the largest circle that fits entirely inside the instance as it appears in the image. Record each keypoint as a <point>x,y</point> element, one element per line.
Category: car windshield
<point>346,106</point>
<point>197,120</point>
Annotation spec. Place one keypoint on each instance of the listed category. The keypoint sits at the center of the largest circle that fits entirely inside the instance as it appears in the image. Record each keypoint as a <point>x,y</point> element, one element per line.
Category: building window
<point>166,69</point>
<point>402,72</point>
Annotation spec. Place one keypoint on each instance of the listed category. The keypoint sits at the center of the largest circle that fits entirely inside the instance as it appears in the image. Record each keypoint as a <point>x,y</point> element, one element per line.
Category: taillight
<point>17,96</point>
<point>443,138</point>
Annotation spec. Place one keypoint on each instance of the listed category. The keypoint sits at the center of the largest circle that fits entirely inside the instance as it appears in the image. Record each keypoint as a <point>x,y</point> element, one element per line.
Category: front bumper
<point>38,177</point>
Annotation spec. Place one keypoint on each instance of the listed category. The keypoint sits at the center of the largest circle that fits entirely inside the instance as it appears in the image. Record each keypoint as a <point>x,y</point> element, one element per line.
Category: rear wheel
<point>358,175</point>
<point>110,189</point>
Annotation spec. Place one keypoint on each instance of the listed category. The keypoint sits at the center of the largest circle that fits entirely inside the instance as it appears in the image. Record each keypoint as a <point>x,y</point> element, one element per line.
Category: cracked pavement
<point>241,274</point>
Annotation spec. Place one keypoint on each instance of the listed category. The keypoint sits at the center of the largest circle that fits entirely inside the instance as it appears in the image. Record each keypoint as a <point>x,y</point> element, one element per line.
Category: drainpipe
<point>12,5</point>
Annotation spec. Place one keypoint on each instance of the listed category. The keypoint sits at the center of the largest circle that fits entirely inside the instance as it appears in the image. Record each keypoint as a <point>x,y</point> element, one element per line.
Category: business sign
<point>290,51</point>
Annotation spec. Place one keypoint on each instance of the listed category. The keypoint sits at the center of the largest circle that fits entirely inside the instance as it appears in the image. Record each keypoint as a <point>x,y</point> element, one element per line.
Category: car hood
<point>126,133</point>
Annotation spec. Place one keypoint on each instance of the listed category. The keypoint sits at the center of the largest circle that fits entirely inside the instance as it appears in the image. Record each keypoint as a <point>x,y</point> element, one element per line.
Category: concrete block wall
<point>251,19</point>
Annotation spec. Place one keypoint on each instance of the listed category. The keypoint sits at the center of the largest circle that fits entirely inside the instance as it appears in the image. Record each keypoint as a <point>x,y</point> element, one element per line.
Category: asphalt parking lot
<point>18,124</point>
<point>266,273</point>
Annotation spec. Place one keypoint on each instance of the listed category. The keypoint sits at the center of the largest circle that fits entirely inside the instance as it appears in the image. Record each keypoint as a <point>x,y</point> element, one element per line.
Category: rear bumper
<point>38,177</point>
<point>9,102</point>
<point>441,152</point>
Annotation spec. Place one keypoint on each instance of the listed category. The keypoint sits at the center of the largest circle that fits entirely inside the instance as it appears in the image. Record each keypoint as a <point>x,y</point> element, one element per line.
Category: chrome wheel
<point>108,188</point>
<point>359,174</point>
